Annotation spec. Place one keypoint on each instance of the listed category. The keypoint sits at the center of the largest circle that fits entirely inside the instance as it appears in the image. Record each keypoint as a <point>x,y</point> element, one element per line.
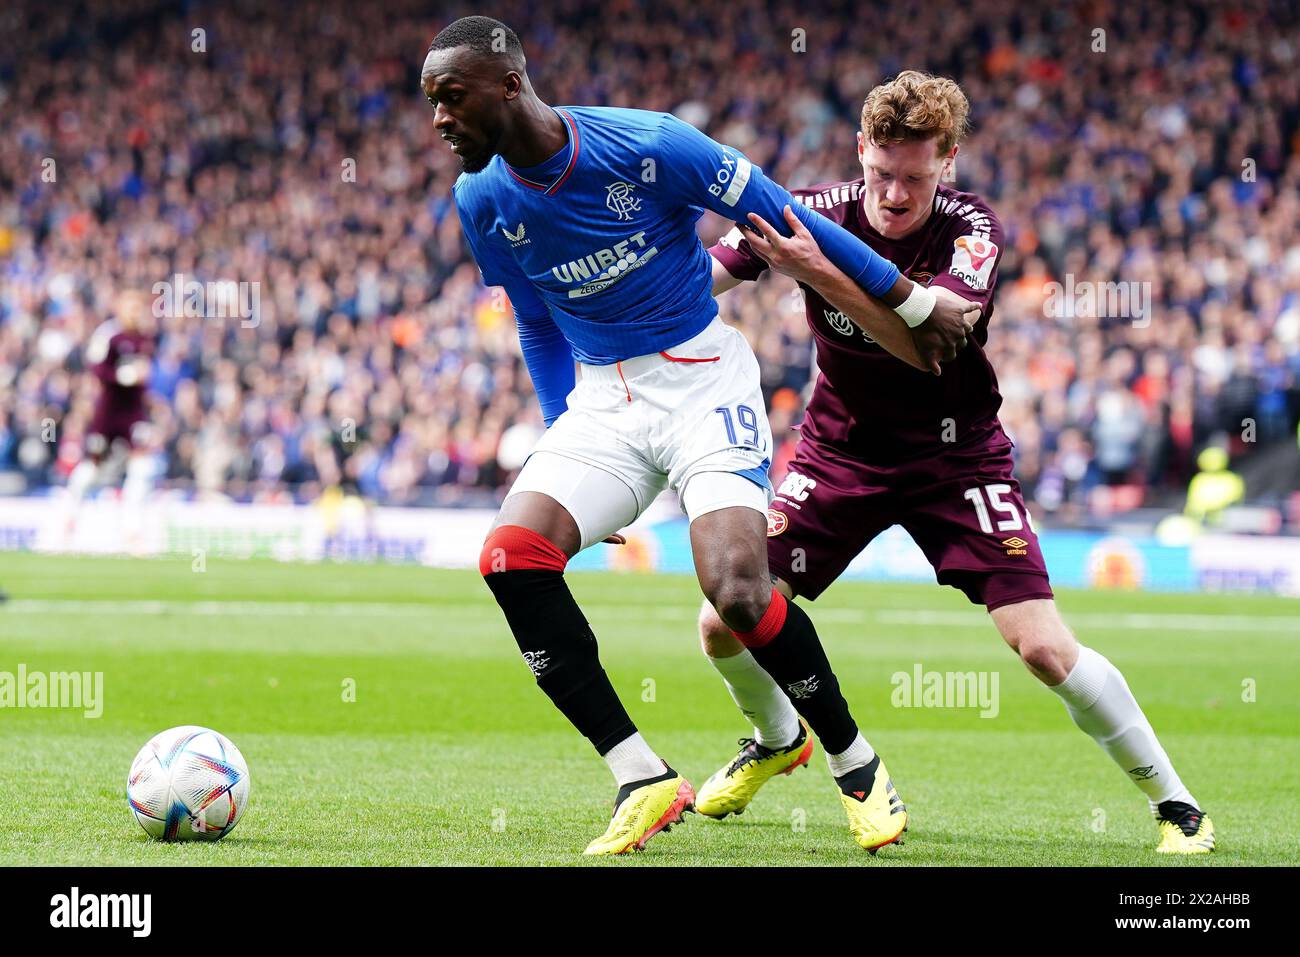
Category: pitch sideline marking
<point>922,619</point>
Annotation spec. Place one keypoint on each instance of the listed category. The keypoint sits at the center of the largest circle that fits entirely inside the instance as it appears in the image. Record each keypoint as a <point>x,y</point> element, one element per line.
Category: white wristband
<point>918,305</point>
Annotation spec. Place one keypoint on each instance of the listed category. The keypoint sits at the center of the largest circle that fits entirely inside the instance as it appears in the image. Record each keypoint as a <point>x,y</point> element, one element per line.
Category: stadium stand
<point>294,151</point>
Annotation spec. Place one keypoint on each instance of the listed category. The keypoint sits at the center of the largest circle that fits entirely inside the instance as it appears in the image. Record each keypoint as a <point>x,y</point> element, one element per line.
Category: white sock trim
<point>1083,685</point>
<point>858,755</point>
<point>633,760</point>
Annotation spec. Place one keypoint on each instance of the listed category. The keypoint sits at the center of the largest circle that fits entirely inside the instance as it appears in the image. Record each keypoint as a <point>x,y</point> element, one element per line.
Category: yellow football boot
<point>641,812</point>
<point>1183,829</point>
<point>877,815</point>
<point>730,789</point>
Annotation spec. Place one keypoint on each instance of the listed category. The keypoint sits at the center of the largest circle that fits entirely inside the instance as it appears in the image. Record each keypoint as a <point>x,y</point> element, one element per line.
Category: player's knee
<point>715,637</point>
<point>511,548</point>
<point>1048,656</point>
<point>1036,633</point>
<point>740,601</point>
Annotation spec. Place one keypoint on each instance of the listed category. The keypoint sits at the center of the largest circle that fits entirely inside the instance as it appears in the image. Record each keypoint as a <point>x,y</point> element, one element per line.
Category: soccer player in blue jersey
<point>586,216</point>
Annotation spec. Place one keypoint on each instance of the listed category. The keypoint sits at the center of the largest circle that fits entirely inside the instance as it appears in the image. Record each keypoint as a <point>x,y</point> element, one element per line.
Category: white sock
<point>632,760</point>
<point>82,477</point>
<point>760,699</point>
<point>139,479</point>
<point>858,755</point>
<point>1101,704</point>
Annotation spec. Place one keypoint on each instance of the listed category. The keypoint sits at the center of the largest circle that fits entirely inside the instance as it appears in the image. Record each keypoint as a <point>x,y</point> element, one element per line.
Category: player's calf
<point>730,550</point>
<point>525,572</point>
<point>1100,703</point>
<point>759,698</point>
<point>523,562</point>
<point>1035,632</point>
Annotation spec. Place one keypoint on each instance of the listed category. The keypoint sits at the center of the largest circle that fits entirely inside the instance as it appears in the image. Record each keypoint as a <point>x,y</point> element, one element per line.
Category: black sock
<point>795,659</point>
<point>560,649</point>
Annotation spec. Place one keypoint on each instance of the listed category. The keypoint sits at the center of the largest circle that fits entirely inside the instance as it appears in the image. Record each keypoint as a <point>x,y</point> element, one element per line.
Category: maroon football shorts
<point>110,426</point>
<point>963,507</point>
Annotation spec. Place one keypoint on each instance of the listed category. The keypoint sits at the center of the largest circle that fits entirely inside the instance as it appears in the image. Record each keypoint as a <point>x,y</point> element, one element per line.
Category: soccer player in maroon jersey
<point>939,463</point>
<point>119,354</point>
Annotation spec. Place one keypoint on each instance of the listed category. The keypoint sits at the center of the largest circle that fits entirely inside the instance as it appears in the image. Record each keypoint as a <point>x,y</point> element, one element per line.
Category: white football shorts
<point>690,418</point>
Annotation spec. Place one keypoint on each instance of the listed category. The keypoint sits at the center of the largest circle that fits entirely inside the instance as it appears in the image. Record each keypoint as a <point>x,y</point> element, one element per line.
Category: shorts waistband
<point>631,368</point>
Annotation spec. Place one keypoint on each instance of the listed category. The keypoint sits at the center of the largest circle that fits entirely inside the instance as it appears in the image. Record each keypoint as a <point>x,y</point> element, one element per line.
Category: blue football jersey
<point>597,247</point>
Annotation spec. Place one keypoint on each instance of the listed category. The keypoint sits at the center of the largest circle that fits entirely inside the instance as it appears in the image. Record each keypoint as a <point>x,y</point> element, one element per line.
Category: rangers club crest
<point>805,688</point>
<point>536,661</point>
<point>621,201</point>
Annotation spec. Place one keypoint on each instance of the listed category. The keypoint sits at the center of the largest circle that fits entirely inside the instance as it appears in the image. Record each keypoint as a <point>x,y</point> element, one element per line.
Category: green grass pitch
<point>450,755</point>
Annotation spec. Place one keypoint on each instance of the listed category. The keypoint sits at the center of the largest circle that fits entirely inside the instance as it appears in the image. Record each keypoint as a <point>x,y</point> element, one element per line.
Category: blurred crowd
<point>289,146</point>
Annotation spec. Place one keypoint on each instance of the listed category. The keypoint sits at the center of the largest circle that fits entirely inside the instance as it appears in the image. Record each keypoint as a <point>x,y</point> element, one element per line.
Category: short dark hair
<point>485,36</point>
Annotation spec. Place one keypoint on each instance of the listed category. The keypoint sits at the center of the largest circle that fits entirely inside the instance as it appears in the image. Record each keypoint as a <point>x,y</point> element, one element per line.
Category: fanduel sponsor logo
<point>600,270</point>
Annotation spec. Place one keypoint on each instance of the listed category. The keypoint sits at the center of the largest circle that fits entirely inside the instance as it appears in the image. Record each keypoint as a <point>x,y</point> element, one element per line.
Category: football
<point>188,784</point>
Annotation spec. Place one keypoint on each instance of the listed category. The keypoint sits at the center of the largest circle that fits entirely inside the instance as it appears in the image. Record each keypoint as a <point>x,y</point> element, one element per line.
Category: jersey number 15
<point>1012,523</point>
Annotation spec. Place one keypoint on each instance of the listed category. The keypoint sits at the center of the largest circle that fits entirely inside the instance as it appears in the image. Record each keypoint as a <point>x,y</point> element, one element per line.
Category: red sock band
<point>768,626</point>
<point>513,548</point>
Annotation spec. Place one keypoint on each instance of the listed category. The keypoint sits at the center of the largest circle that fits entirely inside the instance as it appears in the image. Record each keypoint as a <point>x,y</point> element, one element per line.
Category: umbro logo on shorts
<point>1016,546</point>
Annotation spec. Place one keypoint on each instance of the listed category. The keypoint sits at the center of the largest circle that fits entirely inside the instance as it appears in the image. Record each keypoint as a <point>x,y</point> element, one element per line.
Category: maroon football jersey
<point>867,403</point>
<point>109,349</point>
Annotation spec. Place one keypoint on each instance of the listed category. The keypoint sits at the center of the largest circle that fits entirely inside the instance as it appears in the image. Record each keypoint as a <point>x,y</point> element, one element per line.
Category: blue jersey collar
<point>546,177</point>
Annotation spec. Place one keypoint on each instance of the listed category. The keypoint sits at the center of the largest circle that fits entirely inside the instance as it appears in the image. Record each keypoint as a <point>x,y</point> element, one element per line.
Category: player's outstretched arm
<point>938,326</point>
<point>800,258</point>
<point>706,173</point>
